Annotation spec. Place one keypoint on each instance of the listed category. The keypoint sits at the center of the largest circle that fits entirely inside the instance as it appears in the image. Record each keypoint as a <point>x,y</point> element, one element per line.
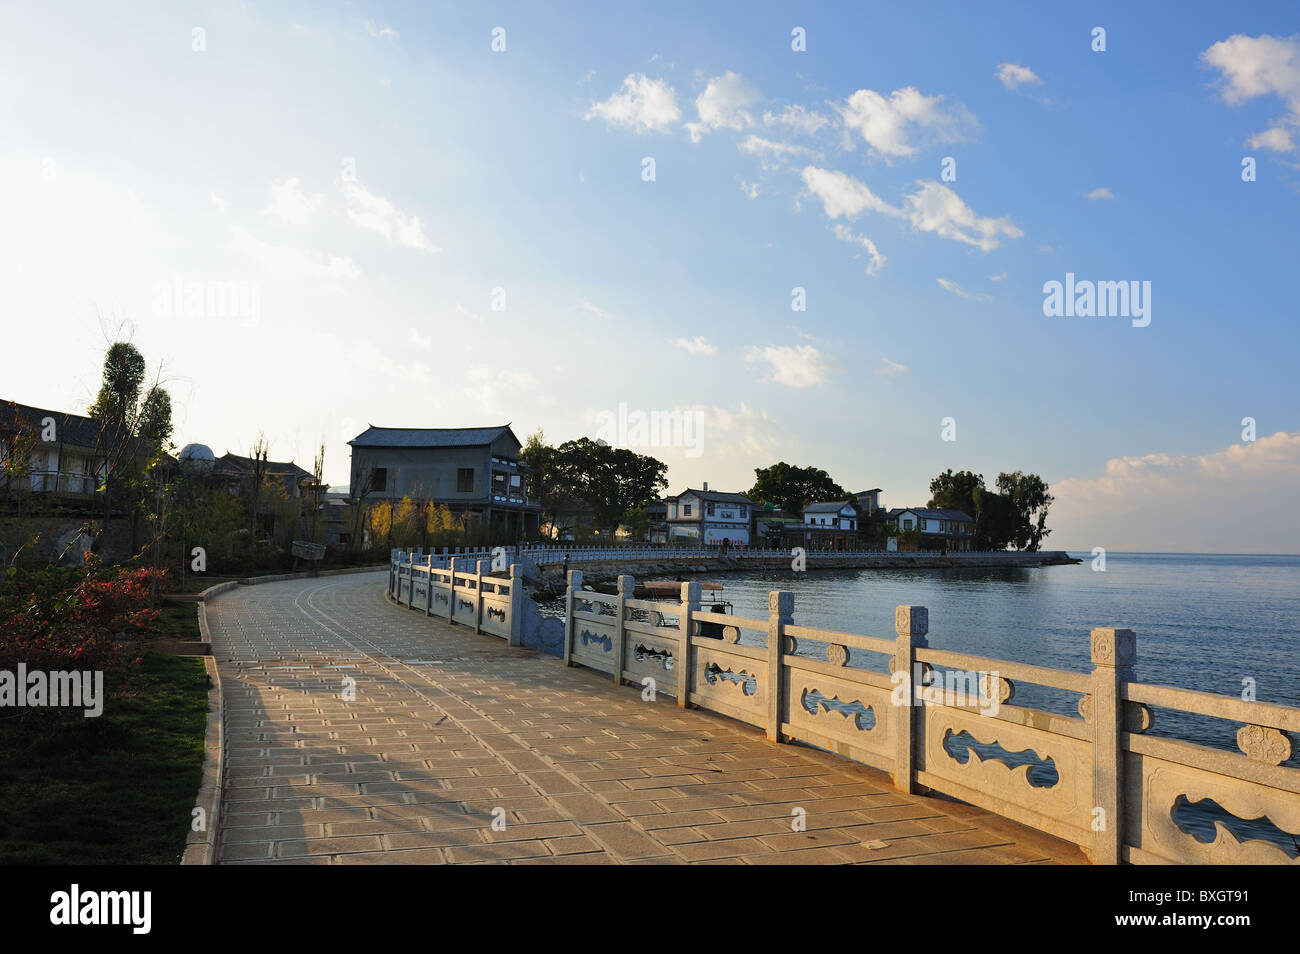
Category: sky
<point>817,233</point>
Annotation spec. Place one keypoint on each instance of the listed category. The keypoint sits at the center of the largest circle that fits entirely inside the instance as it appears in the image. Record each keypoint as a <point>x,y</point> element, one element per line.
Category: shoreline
<point>550,582</point>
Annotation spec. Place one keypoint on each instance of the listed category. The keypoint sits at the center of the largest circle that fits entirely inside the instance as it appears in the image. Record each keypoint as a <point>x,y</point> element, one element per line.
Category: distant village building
<point>291,478</point>
<point>940,528</point>
<point>831,525</point>
<point>709,517</point>
<point>474,471</point>
<point>70,461</point>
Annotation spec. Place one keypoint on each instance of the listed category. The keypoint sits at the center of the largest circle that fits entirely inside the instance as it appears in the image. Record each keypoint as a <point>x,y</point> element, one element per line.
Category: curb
<point>201,846</point>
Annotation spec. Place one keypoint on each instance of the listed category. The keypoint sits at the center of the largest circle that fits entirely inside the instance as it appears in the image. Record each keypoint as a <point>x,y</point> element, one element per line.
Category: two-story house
<point>709,517</point>
<point>475,471</point>
<point>831,525</point>
<point>939,527</point>
<point>62,453</point>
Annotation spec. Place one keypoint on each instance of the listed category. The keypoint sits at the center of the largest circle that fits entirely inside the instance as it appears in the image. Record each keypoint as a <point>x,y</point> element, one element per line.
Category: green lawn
<point>178,619</point>
<point>117,789</point>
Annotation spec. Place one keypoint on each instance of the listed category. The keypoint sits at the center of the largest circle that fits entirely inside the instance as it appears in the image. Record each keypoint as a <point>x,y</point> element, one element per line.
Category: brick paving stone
<point>410,771</point>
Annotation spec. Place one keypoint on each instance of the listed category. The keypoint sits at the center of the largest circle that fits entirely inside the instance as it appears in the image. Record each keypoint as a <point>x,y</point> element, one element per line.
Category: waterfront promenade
<point>357,731</point>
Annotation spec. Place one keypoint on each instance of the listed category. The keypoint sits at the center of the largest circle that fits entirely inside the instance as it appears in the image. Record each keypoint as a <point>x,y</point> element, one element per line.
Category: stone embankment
<point>547,582</point>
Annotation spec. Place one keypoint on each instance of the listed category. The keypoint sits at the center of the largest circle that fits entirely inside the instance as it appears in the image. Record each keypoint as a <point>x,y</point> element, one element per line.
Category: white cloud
<point>960,292</point>
<point>802,366</point>
<point>221,205</point>
<point>771,154</point>
<point>936,208</point>
<point>1141,503</point>
<point>374,30</point>
<point>885,123</point>
<point>644,105</point>
<point>290,204</point>
<point>749,188</point>
<point>1250,67</point>
<point>998,278</point>
<point>876,260</point>
<point>1276,138</point>
<point>725,103</point>
<point>1100,193</point>
<point>291,258</point>
<point>377,214</point>
<point>596,310</point>
<point>841,194</point>
<point>932,208</point>
<point>1013,75</point>
<point>890,368</point>
<point>799,118</point>
<point>489,388</point>
<point>698,345</point>
<point>424,341</point>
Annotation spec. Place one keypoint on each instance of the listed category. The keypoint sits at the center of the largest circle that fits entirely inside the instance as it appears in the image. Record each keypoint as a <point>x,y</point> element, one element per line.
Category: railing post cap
<point>1113,647</point>
<point>781,603</point>
<point>575,579</point>
<point>626,584</point>
<point>911,620</point>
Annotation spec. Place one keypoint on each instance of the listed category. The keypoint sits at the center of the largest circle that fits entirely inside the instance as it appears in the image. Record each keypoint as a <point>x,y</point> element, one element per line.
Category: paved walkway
<point>449,731</point>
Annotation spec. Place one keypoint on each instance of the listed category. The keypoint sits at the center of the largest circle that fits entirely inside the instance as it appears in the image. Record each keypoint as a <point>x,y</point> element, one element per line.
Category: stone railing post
<point>478,593</point>
<point>410,580</point>
<point>780,612</point>
<point>911,623</point>
<point>575,584</point>
<point>517,597</point>
<point>451,597</point>
<point>428,589</point>
<point>1113,653</point>
<point>626,587</point>
<point>685,676</point>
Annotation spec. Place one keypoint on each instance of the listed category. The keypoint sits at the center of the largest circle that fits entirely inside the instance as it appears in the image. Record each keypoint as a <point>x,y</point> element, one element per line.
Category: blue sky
<point>376,171</point>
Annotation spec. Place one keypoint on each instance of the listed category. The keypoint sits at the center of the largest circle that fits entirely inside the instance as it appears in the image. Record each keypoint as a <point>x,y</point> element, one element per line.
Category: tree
<point>995,520</point>
<point>132,427</point>
<point>955,491</point>
<point>1030,500</point>
<point>611,480</point>
<point>544,482</point>
<point>788,487</point>
<point>637,523</point>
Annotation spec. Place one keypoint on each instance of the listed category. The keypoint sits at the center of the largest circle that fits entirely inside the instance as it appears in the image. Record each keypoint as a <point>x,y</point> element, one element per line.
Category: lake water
<point>1203,621</point>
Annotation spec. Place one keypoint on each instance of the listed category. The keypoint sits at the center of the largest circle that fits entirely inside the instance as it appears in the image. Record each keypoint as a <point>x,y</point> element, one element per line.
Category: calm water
<point>1203,621</point>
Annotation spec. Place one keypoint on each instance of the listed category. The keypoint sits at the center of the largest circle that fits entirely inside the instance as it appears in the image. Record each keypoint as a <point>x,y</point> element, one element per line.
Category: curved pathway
<point>357,731</point>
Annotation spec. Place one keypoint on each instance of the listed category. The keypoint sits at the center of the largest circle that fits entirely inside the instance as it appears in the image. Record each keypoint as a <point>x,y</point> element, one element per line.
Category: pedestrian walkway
<point>360,732</point>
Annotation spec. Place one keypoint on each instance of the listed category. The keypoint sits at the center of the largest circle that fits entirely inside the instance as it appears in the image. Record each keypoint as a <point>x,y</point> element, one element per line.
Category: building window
<point>379,478</point>
<point>686,510</point>
<point>711,510</point>
<point>499,484</point>
<point>907,524</point>
<point>464,480</point>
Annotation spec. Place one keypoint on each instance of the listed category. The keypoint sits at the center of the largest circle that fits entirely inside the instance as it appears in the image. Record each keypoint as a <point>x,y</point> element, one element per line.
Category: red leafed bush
<point>59,619</point>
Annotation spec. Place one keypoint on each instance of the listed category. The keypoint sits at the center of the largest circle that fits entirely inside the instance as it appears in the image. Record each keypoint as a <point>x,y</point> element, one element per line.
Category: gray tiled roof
<point>73,429</point>
<point>714,496</point>
<point>934,513</point>
<point>833,506</point>
<point>429,436</point>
